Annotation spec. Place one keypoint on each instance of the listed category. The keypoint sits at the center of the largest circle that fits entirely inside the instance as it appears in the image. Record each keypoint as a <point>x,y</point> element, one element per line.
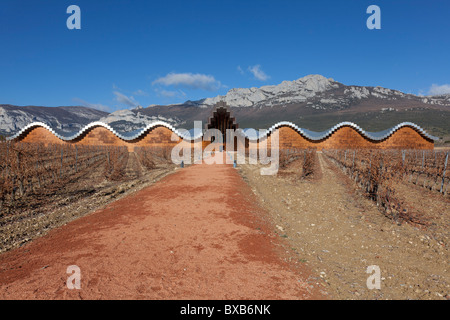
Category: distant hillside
<point>14,118</point>
<point>317,103</point>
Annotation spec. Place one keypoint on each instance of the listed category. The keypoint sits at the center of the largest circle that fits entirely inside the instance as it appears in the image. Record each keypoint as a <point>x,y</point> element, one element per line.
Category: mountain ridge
<point>307,87</point>
<point>312,102</point>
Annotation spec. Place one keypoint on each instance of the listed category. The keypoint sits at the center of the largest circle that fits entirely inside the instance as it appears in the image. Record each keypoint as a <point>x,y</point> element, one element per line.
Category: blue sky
<point>163,52</point>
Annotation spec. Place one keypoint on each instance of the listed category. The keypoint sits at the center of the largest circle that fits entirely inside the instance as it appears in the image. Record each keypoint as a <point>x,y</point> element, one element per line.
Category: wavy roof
<point>316,136</point>
<point>250,134</point>
<point>127,136</point>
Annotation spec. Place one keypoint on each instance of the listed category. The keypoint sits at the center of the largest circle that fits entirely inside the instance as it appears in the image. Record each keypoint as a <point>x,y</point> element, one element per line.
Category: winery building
<point>344,135</point>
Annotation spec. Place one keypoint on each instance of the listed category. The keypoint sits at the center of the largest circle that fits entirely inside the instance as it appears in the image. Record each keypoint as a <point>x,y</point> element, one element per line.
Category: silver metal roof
<point>194,134</point>
<point>127,136</point>
<point>316,136</point>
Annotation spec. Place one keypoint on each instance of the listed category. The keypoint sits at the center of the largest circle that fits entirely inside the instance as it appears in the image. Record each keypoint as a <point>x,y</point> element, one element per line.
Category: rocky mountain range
<point>14,118</point>
<point>318,103</point>
<point>71,119</point>
<point>313,102</point>
<point>316,91</point>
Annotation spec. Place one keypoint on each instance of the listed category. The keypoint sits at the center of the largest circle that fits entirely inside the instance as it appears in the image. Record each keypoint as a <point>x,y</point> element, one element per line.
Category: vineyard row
<point>379,172</point>
<point>26,168</point>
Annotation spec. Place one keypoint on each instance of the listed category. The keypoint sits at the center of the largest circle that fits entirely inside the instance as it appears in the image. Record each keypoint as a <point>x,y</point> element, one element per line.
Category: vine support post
<point>443,174</point>
<point>76,158</point>
<point>62,156</point>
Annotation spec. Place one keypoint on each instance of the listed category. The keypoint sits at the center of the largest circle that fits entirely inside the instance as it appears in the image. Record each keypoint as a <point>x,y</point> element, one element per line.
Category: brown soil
<point>332,228</point>
<point>196,234</point>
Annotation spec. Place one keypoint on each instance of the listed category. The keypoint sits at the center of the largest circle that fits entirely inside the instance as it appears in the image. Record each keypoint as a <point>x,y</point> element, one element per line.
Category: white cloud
<point>190,81</point>
<point>125,100</point>
<point>140,93</point>
<point>436,90</point>
<point>170,94</point>
<point>240,70</point>
<point>258,73</point>
<point>97,106</point>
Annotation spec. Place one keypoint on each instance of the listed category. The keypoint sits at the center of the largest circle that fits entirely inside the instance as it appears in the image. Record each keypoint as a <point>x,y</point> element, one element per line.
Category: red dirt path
<point>193,235</point>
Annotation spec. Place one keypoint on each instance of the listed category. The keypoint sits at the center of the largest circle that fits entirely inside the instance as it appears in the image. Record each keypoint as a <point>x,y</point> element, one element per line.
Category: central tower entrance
<point>222,120</point>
